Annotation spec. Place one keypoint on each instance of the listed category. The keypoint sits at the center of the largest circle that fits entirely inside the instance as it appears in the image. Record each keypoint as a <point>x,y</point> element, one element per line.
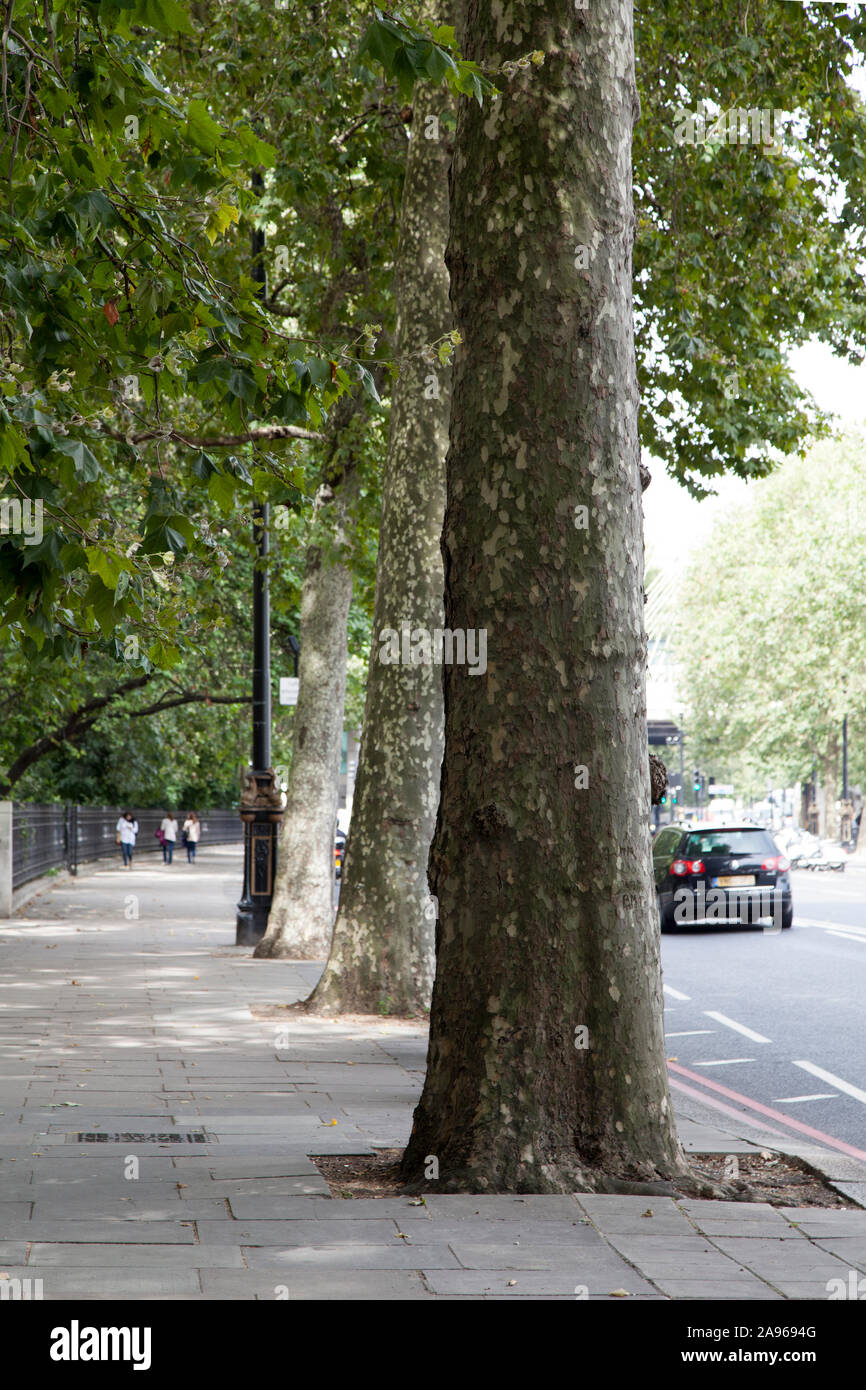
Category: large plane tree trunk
<point>301,919</point>
<point>382,952</point>
<point>546,1065</point>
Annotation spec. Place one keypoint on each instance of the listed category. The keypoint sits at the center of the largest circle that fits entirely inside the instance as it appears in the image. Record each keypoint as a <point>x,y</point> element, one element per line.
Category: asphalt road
<point>771,1022</point>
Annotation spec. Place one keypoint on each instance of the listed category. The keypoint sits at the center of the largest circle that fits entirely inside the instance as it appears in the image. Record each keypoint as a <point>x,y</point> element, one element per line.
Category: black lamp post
<point>261,802</point>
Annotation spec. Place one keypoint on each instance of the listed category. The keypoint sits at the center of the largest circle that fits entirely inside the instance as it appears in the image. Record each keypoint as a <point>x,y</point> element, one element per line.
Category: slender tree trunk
<point>302,915</point>
<point>546,1065</point>
<point>829,788</point>
<point>382,952</point>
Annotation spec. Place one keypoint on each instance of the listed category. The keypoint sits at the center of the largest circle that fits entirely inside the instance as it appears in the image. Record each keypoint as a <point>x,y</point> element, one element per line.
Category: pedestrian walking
<point>191,835</point>
<point>127,829</point>
<point>168,828</point>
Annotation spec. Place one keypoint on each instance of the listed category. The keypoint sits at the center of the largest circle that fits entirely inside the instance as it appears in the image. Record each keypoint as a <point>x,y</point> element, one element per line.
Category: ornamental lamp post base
<point>261,813</point>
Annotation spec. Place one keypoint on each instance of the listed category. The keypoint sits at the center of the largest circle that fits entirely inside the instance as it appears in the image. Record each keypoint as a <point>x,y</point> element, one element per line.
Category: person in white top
<point>169,836</point>
<point>127,829</point>
<point>191,834</point>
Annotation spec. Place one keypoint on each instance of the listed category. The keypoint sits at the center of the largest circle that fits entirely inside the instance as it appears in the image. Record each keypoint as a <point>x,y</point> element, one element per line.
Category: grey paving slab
<point>831,1164</point>
<point>12,1212</point>
<point>543,1283</point>
<point>107,1283</point>
<point>855,1190</point>
<point>655,1215</point>
<point>496,1253</point>
<point>170,1208</point>
<point>693,1260</point>
<point>540,1208</point>
<point>169,1257</point>
<point>349,1257</point>
<point>753,1230</point>
<point>113,1229</point>
<point>287,1233</point>
<point>475,1230</point>
<point>718,1290</point>
<point>192,1189</point>
<point>851,1249</point>
<point>300,1169</point>
<point>816,1288</point>
<point>797,1259</point>
<point>733,1211</point>
<point>373,1285</point>
<point>13,1251</point>
<point>101,1164</point>
<point>287,1208</point>
<point>819,1219</point>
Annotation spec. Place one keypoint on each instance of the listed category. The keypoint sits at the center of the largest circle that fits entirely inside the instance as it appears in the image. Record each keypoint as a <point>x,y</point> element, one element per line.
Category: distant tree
<point>772,640</point>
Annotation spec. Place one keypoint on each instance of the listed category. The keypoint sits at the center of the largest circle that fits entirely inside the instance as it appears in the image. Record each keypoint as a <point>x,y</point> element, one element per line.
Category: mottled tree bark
<point>302,915</point>
<point>546,1065</point>
<point>382,951</point>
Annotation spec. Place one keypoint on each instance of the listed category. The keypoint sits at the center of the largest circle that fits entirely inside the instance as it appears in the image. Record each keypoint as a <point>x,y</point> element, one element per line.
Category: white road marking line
<point>795,1100</point>
<point>675,993</point>
<point>832,1080</point>
<point>726,1062</point>
<point>691,1033</point>
<point>822,922</point>
<point>846,936</point>
<point>737,1027</point>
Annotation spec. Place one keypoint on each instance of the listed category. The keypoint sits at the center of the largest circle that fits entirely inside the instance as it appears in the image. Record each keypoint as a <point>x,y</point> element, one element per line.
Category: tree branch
<point>216,441</point>
<point>189,698</point>
<point>76,725</point>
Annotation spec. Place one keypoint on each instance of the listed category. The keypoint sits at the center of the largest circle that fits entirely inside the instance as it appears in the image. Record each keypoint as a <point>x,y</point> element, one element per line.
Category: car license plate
<point>736,881</point>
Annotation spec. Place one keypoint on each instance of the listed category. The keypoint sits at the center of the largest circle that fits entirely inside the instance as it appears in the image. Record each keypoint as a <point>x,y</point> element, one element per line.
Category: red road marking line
<point>768,1110</point>
<point>727,1109</point>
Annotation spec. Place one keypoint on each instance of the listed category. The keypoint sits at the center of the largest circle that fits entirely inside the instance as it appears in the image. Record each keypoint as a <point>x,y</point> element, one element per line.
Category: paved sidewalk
<point>125,1012</point>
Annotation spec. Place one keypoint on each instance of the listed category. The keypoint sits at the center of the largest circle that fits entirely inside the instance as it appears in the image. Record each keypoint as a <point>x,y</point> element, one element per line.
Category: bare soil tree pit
<point>763,1177</point>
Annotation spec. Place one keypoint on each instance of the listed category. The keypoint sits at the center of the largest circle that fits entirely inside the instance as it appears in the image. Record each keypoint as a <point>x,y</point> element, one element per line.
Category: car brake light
<point>777,862</point>
<point>687,866</point>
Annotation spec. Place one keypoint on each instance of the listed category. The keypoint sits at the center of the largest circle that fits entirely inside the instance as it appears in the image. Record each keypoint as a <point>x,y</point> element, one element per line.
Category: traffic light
<point>696,781</point>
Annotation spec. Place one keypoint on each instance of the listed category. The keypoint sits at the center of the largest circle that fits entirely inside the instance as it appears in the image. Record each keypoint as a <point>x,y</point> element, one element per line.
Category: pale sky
<point>675,523</point>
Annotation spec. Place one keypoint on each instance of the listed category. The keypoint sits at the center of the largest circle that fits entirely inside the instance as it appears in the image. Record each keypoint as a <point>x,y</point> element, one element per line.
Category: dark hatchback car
<point>720,873</point>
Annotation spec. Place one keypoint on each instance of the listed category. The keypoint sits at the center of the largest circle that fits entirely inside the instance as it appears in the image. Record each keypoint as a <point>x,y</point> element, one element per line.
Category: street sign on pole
<point>289,690</point>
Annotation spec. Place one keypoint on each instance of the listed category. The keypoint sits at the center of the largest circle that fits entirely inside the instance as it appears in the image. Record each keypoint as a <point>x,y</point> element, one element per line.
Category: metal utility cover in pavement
<point>196,1137</point>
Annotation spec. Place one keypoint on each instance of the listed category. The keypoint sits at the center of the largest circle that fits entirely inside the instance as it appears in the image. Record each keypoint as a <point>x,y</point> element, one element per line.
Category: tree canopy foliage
<point>772,634</point>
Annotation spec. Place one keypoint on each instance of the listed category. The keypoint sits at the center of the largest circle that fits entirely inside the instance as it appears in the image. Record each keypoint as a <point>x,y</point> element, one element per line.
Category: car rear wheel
<point>787,916</point>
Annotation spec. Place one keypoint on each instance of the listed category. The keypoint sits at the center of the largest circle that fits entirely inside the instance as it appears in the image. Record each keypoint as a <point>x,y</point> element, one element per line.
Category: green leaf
<point>13,448</point>
<point>225,216</point>
<point>101,599</point>
<point>203,467</point>
<point>201,129</point>
<point>242,386</point>
<point>222,490</point>
<point>106,566</point>
<point>163,654</point>
<point>86,464</point>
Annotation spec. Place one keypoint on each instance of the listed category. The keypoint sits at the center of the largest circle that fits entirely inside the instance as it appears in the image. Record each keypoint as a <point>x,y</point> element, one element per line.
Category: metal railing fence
<point>57,836</point>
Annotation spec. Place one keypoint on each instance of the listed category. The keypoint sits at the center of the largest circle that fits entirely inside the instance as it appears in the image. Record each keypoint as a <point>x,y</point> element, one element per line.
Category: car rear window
<point>728,842</point>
